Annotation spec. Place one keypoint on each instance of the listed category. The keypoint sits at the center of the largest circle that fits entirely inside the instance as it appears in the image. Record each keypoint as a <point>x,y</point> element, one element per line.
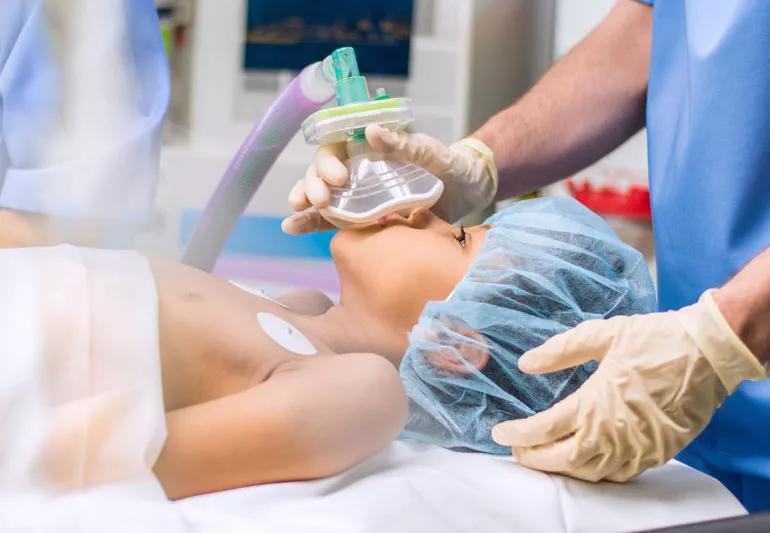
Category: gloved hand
<point>661,377</point>
<point>467,169</point>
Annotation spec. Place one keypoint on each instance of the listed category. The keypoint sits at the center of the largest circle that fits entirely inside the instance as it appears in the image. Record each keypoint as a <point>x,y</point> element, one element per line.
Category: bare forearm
<point>309,420</point>
<point>586,105</point>
<point>745,303</point>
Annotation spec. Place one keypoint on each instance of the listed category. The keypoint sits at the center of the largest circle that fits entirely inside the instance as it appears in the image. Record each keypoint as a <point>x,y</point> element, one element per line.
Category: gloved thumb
<point>588,341</point>
<point>307,221</point>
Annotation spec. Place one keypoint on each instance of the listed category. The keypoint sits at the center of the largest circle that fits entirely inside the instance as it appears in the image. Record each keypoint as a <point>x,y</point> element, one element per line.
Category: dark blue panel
<point>294,33</point>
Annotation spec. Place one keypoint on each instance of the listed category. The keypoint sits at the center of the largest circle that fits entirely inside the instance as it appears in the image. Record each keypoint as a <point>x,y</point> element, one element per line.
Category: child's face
<point>397,268</point>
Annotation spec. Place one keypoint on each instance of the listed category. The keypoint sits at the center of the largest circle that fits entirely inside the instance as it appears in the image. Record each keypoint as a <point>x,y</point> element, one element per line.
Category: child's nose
<point>420,217</point>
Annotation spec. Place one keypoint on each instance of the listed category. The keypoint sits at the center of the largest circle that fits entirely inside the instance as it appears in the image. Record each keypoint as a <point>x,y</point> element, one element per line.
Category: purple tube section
<point>245,173</point>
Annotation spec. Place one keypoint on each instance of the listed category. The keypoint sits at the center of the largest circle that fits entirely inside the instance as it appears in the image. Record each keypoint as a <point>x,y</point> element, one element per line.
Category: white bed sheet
<point>411,487</point>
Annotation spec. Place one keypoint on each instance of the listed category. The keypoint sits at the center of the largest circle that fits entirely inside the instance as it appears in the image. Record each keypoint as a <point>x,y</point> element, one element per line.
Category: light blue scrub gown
<point>83,95</point>
<point>708,119</point>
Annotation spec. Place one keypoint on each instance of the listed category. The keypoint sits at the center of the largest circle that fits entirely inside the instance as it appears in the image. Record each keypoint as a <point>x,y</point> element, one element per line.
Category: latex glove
<point>661,377</point>
<point>467,169</point>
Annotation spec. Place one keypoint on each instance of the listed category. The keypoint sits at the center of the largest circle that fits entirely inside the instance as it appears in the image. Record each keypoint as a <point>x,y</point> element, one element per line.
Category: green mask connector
<point>355,109</point>
<point>351,86</point>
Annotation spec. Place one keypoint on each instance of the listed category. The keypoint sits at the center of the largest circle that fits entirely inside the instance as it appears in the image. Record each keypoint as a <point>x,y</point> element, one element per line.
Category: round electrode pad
<point>286,335</point>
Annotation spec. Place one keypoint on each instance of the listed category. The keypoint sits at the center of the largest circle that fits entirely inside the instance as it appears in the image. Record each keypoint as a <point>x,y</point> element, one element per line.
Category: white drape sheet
<point>81,400</point>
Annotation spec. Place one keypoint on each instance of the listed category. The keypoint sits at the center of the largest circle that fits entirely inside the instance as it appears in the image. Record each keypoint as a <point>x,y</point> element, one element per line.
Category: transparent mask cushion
<point>379,186</point>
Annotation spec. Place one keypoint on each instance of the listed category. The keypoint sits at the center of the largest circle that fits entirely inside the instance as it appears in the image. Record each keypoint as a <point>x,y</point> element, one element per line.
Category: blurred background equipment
<point>229,61</point>
<point>459,61</point>
<point>176,18</point>
<point>292,34</point>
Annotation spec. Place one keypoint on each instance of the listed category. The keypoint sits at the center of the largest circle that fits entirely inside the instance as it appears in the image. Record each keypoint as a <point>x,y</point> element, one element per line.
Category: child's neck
<point>347,330</point>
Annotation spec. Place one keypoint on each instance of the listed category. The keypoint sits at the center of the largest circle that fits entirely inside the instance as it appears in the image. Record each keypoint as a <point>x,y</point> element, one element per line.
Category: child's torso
<point>211,341</point>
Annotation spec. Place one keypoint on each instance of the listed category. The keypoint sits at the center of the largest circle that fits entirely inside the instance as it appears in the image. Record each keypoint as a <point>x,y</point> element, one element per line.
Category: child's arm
<point>21,229</point>
<point>311,418</point>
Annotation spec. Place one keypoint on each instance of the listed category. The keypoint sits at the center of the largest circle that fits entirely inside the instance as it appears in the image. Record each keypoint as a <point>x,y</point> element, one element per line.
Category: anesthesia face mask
<point>377,186</point>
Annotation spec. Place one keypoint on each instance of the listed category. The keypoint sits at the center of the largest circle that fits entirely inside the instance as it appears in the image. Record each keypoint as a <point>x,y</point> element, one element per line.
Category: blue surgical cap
<point>546,265</point>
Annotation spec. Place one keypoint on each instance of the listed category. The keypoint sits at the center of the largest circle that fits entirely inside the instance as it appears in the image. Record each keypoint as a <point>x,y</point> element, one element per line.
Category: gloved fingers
<point>542,428</point>
<point>307,221</point>
<point>628,470</point>
<point>418,149</point>
<point>297,197</point>
<point>383,140</point>
<point>329,164</point>
<point>587,341</point>
<point>560,457</point>
<point>316,189</point>
<point>599,467</point>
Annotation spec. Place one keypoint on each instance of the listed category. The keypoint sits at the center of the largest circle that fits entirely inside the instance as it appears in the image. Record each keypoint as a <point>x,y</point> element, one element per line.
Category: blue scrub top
<point>83,94</point>
<point>708,119</point>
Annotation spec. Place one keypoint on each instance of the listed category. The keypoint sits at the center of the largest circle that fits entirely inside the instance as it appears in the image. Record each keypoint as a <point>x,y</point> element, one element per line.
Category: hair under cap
<point>546,265</point>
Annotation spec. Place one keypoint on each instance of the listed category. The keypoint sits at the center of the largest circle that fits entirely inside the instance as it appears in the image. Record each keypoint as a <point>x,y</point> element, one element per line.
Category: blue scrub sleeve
<point>84,90</point>
<point>3,153</point>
